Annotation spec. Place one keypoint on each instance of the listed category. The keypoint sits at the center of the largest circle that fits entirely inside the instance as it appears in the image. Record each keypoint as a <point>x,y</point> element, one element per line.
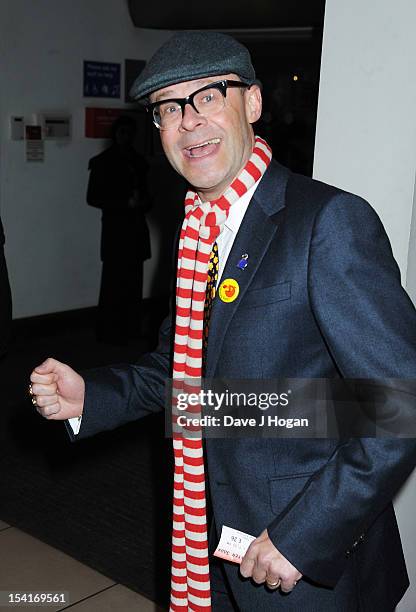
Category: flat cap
<point>189,55</point>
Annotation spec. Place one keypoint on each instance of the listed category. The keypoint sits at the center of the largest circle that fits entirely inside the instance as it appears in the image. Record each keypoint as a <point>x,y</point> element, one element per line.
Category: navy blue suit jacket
<point>321,297</point>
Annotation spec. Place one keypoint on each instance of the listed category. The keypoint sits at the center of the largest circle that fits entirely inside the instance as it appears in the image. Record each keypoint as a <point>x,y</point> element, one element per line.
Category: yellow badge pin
<point>229,290</point>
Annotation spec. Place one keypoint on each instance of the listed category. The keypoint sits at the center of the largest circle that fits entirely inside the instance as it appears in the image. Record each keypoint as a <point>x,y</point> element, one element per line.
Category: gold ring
<point>34,401</point>
<point>273,585</point>
<point>30,389</point>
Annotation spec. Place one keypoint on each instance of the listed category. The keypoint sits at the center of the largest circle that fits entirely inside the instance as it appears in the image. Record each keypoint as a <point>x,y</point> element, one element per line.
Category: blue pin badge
<point>243,263</point>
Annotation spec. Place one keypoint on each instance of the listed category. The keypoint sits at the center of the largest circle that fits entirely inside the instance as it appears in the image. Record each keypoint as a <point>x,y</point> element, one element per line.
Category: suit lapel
<point>254,236</point>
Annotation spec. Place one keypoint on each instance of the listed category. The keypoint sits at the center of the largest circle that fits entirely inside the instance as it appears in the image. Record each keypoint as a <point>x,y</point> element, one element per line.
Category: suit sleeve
<point>369,326</point>
<point>96,195</point>
<point>118,394</point>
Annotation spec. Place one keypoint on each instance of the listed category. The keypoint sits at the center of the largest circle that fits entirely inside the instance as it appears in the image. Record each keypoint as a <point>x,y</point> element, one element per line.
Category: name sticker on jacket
<point>233,544</point>
<point>229,290</point>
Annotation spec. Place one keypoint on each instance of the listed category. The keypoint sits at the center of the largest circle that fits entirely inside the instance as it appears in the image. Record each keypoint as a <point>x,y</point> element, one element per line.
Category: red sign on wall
<point>98,121</point>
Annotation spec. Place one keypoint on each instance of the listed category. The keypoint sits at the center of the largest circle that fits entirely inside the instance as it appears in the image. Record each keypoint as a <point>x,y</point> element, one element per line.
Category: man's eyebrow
<point>165,95</point>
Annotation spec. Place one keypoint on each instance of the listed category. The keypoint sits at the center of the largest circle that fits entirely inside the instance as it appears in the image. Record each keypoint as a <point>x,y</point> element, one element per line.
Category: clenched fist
<point>58,389</point>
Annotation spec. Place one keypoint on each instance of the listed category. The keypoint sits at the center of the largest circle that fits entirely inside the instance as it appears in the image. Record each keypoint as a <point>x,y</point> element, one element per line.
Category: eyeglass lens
<point>206,102</point>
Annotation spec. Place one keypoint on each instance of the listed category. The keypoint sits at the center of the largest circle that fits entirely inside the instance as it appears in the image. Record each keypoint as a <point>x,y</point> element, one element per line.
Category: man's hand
<point>264,563</point>
<point>59,391</point>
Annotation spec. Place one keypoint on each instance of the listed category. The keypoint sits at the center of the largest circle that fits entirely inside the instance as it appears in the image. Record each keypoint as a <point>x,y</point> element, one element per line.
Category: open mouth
<point>202,149</point>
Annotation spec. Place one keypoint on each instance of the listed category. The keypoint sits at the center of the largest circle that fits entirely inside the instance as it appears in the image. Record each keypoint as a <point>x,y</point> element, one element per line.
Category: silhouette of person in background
<point>118,185</point>
<point>5,299</point>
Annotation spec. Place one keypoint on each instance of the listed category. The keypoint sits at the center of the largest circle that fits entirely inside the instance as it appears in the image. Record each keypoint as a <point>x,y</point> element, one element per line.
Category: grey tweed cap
<point>189,55</point>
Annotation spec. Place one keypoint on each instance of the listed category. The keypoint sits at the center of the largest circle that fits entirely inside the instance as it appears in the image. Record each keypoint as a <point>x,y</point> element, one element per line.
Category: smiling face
<point>209,152</point>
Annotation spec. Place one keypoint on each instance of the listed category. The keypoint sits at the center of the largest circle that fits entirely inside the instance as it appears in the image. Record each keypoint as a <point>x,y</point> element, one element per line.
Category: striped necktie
<point>209,299</point>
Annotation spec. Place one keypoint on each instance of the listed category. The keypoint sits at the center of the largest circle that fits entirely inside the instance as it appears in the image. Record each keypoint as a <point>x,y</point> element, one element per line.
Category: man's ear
<point>253,102</point>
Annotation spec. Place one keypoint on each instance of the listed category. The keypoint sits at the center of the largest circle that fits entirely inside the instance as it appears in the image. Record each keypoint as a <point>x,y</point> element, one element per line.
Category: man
<point>319,297</point>
<point>118,186</point>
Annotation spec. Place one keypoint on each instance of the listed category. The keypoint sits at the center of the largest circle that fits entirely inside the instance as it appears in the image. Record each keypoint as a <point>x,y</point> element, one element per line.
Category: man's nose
<point>191,118</point>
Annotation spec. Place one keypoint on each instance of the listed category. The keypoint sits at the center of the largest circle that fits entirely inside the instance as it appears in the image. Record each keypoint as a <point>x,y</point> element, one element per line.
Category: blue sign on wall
<point>101,80</point>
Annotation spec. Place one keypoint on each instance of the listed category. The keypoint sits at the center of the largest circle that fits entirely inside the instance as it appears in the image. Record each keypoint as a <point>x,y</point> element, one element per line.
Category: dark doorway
<point>287,62</point>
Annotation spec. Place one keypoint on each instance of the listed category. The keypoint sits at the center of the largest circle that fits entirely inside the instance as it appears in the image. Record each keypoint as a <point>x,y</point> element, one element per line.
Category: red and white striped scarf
<point>190,586</point>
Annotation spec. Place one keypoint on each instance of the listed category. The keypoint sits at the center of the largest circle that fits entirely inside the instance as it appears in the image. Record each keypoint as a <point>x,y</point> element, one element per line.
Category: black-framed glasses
<point>208,100</point>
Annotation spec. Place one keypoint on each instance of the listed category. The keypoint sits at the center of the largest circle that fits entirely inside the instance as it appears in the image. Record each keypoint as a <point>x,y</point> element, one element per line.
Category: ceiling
<point>227,14</point>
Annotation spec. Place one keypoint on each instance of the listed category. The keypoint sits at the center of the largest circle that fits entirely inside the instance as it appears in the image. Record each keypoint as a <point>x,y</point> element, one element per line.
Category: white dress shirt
<point>225,242</point>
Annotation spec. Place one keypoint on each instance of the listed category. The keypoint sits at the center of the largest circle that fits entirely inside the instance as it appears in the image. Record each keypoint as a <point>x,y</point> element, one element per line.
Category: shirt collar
<point>239,208</point>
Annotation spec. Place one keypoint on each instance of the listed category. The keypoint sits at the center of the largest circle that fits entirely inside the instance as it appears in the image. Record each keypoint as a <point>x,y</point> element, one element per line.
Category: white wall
<point>411,263</point>
<point>52,236</point>
<point>366,143</point>
<point>366,130</point>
